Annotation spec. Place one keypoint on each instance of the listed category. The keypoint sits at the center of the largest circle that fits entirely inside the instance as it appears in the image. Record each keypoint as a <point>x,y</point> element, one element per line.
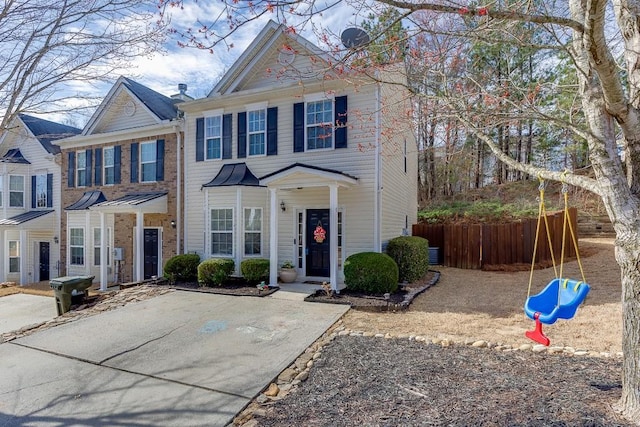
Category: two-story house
<point>289,158</point>
<point>121,180</point>
<point>30,199</point>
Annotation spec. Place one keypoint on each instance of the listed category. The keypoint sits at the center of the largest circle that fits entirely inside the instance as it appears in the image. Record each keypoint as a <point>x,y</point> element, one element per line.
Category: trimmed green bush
<point>411,253</point>
<point>372,272</point>
<point>182,268</point>
<point>255,270</point>
<point>215,271</point>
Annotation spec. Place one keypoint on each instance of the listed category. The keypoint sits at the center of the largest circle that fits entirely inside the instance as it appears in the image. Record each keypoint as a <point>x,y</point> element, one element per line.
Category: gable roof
<point>259,47</point>
<point>162,107</point>
<point>46,131</point>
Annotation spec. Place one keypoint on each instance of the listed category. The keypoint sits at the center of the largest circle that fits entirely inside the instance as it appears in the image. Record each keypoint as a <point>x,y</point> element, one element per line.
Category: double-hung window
<point>257,127</point>
<point>16,191</point>
<point>97,242</point>
<point>213,137</point>
<point>81,168</point>
<point>222,232</point>
<point>14,256</point>
<point>41,191</point>
<point>76,246</point>
<point>148,161</point>
<point>108,154</point>
<point>319,124</point>
<point>252,231</point>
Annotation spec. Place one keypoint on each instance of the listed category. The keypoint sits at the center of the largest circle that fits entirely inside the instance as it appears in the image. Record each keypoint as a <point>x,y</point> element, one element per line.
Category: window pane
<point>109,165</point>
<point>252,244</point>
<point>214,150</point>
<point>41,191</point>
<point>16,183</point>
<point>14,265</point>
<point>81,165</point>
<point>148,172</point>
<point>14,248</point>
<point>213,126</point>
<point>16,200</point>
<point>256,144</point>
<point>253,219</point>
<point>320,124</point>
<point>148,152</point>
<point>222,231</point>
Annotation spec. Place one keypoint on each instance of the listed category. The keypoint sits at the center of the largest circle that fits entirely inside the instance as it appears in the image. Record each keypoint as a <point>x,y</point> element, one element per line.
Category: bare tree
<point>610,102</point>
<point>50,50</point>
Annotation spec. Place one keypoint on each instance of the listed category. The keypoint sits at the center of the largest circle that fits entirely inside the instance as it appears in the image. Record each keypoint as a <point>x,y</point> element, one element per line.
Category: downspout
<point>178,187</point>
<point>377,214</point>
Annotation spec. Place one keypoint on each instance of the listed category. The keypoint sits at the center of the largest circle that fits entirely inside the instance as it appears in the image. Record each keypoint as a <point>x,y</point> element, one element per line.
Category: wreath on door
<point>319,234</point>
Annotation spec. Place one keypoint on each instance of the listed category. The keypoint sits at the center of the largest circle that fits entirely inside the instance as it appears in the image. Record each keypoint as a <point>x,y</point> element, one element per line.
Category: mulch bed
<point>392,382</point>
<point>237,288</point>
<point>399,300</point>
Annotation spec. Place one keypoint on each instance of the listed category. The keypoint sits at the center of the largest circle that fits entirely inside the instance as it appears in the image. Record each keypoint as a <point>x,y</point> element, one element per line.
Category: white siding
<point>115,118</point>
<point>88,220</point>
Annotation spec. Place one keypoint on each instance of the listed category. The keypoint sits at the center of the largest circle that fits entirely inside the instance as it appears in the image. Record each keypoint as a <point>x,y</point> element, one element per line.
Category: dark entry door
<point>150,252</point>
<point>318,237</point>
<point>44,261</point>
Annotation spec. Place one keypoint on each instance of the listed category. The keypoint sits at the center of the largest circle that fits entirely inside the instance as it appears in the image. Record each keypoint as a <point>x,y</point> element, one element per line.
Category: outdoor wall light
<point>55,240</point>
<point>282,206</point>
<point>173,223</point>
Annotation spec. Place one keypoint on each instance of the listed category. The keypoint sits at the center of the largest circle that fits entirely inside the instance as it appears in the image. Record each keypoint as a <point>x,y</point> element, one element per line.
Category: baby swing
<point>561,297</point>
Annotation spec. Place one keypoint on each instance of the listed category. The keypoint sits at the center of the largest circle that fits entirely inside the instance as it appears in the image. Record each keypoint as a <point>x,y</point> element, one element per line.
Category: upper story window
<point>41,191</point>
<point>319,124</point>
<point>16,191</point>
<point>81,168</point>
<point>148,161</point>
<point>213,137</point>
<point>109,169</point>
<point>257,126</point>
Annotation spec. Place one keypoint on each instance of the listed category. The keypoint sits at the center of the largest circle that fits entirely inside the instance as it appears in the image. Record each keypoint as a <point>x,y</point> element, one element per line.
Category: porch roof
<point>155,202</point>
<point>234,174</point>
<point>24,217</point>
<point>14,156</point>
<point>310,176</point>
<point>88,199</point>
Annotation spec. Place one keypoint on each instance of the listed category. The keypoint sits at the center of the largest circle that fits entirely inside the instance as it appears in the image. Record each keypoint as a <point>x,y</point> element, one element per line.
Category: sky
<point>201,70</point>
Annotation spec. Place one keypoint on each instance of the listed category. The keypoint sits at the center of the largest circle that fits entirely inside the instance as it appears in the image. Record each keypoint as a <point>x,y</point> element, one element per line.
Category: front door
<point>318,237</point>
<point>44,261</point>
<point>150,252</point>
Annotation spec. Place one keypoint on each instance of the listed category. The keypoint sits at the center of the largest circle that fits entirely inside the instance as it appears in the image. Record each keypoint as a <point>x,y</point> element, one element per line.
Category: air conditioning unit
<point>118,254</point>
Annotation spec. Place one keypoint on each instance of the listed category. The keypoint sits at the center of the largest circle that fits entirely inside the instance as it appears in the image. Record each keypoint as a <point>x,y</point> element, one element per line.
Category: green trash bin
<point>63,288</point>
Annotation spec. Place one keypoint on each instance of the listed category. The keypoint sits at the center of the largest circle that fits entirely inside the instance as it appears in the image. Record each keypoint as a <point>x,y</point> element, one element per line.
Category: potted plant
<point>288,272</point>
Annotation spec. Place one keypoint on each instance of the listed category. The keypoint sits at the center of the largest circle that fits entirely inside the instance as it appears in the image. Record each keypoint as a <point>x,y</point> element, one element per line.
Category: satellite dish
<point>353,38</point>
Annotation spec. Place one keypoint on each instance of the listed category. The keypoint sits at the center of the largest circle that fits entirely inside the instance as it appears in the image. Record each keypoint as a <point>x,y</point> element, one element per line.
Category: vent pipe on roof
<point>182,95</point>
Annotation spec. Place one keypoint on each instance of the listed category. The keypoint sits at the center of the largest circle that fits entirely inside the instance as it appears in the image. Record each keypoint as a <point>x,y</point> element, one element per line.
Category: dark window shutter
<point>33,192</point>
<point>160,160</point>
<point>226,136</point>
<point>298,127</point>
<point>117,163</point>
<point>199,140</point>
<point>134,162</point>
<point>71,170</point>
<point>272,131</point>
<point>341,121</point>
<point>97,179</point>
<point>49,190</point>
<point>88,170</point>
<point>242,135</point>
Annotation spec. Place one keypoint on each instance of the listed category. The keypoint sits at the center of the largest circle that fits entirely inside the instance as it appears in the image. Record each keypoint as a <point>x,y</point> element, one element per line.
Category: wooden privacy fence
<point>474,246</point>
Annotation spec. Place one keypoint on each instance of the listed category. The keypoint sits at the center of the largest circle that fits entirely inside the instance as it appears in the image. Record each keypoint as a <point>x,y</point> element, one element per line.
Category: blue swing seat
<point>553,305</point>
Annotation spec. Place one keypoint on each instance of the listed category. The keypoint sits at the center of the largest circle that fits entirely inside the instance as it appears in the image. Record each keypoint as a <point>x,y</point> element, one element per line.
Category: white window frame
<point>81,171</point>
<point>209,134</point>
<point>154,161</point>
<point>230,231</point>
<point>41,196</point>
<point>72,246</point>
<point>14,256</point>
<point>106,166</point>
<point>248,231</point>
<point>1,189</point>
<point>315,99</point>
<point>260,132</point>
<point>16,191</point>
<point>97,246</point>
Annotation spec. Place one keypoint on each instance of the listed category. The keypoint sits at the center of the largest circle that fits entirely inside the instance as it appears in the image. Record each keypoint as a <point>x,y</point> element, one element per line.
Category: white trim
<point>257,106</point>
<point>244,232</point>
<point>115,137</point>
<point>319,96</point>
<point>212,113</point>
<point>377,197</point>
<point>273,237</point>
<point>24,192</point>
<point>234,227</point>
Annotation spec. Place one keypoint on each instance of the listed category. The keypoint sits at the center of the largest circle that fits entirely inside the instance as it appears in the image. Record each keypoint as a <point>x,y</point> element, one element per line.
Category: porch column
<point>139,256</point>
<point>333,240</point>
<point>23,257</point>
<point>239,229</point>
<point>273,238</point>
<point>103,254</point>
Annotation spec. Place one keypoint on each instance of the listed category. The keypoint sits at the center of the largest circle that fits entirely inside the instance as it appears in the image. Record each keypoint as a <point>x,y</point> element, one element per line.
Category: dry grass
<point>472,304</point>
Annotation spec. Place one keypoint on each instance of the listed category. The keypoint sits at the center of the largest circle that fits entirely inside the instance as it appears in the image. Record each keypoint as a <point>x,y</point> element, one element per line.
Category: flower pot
<point>288,275</point>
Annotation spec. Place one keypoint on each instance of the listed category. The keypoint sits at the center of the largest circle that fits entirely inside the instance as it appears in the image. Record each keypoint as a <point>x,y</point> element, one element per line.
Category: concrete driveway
<point>183,358</point>
<point>20,310</point>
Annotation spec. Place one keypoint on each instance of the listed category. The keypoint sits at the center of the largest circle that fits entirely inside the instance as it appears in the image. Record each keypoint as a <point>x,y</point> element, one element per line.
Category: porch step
<point>287,295</point>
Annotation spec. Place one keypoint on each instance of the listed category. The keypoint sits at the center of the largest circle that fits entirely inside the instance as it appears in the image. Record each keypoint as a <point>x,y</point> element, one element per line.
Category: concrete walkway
<point>183,358</point>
